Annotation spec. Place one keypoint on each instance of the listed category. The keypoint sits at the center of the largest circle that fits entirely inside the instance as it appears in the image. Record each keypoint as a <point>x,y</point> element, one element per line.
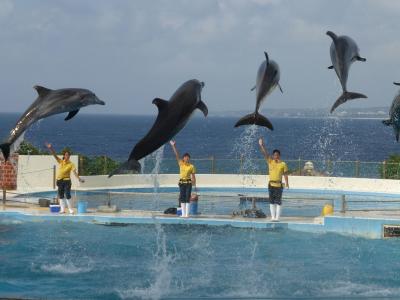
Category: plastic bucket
<point>179,211</point>
<point>82,207</point>
<point>193,207</point>
<point>54,208</point>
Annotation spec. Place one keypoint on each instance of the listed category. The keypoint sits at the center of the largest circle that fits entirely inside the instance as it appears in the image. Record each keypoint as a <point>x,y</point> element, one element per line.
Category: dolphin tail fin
<point>255,118</point>
<point>387,122</point>
<point>131,166</point>
<point>5,149</point>
<point>346,96</point>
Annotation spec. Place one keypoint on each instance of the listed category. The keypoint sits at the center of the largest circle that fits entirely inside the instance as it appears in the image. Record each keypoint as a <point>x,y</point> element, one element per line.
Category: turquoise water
<point>65,260</point>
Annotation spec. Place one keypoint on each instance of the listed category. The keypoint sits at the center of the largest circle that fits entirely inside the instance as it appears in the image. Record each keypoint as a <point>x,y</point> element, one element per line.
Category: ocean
<point>306,138</point>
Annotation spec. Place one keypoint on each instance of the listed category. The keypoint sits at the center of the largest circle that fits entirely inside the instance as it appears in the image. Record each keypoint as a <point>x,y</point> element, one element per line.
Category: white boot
<point>183,210</point>
<point>272,209</point>
<point>62,206</point>
<point>278,212</point>
<point>71,211</point>
<point>187,210</point>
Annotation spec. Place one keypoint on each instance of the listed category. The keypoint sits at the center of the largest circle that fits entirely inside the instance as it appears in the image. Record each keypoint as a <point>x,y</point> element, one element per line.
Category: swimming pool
<point>76,260</point>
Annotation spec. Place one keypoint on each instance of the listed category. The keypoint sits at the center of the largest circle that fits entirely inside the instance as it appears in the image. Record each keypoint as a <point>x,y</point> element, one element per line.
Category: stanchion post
<point>54,177</point>
<point>357,169</point>
<point>299,166</point>
<point>4,196</point>
<point>212,164</point>
<point>343,208</point>
<point>384,169</point>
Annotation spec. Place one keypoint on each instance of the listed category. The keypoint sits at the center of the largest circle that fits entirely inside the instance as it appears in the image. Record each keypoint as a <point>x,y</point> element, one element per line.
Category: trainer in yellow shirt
<point>65,167</point>
<point>187,179</point>
<point>277,170</point>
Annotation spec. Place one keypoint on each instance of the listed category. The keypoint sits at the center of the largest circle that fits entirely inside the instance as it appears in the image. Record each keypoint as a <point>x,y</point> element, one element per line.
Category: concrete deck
<point>362,224</point>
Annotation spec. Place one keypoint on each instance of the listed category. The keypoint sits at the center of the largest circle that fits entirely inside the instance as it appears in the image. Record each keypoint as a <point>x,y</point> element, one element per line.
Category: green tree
<point>391,169</point>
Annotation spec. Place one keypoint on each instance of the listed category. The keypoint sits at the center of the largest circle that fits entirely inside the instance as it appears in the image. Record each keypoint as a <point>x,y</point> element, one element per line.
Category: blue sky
<point>129,52</point>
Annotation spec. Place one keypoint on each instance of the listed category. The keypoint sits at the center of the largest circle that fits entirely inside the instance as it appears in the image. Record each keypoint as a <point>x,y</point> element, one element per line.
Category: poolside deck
<point>367,224</point>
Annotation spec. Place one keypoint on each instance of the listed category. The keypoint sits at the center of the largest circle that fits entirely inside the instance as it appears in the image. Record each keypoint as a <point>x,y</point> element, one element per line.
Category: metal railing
<point>212,165</point>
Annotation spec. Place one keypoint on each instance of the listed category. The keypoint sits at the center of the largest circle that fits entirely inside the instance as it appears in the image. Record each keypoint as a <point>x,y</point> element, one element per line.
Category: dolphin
<point>49,102</point>
<point>172,117</point>
<point>394,115</point>
<point>344,51</point>
<point>268,76</point>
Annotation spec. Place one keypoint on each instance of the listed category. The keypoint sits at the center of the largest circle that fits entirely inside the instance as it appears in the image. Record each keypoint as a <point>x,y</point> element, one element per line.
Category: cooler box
<point>54,208</point>
<point>82,207</point>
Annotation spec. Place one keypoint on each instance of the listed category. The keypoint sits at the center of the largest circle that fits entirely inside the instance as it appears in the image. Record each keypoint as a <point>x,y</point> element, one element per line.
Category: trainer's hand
<point>287,185</point>
<point>48,145</point>
<point>173,143</point>
<point>261,142</point>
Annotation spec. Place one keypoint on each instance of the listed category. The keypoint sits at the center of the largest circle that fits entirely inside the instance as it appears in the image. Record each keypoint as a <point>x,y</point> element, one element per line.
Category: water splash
<point>163,282</point>
<point>157,157</point>
<point>245,148</point>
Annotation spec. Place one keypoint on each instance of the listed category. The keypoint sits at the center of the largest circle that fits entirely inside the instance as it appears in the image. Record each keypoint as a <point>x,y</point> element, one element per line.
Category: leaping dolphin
<point>394,115</point>
<point>268,76</point>
<point>172,117</point>
<point>50,102</point>
<point>344,51</point>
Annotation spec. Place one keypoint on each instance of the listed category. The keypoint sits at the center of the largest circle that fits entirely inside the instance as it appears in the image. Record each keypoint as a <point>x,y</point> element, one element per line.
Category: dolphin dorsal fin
<point>332,35</point>
<point>266,57</point>
<point>161,104</point>
<point>41,90</point>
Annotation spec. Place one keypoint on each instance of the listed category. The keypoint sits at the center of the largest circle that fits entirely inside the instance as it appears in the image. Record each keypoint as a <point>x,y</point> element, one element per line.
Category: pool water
<point>76,260</point>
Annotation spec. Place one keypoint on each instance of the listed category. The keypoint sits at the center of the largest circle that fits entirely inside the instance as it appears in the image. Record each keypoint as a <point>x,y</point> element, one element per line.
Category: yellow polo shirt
<point>186,170</point>
<point>276,171</point>
<point>64,169</point>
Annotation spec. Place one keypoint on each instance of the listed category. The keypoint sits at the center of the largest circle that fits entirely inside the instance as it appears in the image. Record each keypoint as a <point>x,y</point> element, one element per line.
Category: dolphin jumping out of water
<point>48,103</point>
<point>344,51</point>
<point>172,117</point>
<point>394,115</point>
<point>268,76</point>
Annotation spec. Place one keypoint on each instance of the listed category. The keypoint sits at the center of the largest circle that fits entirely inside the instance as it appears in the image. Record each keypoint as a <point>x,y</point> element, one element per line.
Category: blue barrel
<point>82,207</point>
<point>193,207</point>
<point>179,211</point>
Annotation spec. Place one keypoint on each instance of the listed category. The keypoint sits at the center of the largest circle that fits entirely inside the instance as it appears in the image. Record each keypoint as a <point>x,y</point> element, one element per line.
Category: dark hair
<point>186,154</point>
<point>65,152</point>
<point>276,151</point>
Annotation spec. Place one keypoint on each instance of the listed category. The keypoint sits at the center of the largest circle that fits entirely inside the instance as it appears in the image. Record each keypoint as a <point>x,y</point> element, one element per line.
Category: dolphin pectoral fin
<point>280,88</point>
<point>346,96</point>
<point>203,107</point>
<point>396,83</point>
<point>71,114</point>
<point>131,166</point>
<point>42,91</point>
<point>5,149</point>
<point>160,103</point>
<point>330,67</point>
<point>253,88</point>
<point>359,58</point>
<point>387,122</point>
<point>255,119</point>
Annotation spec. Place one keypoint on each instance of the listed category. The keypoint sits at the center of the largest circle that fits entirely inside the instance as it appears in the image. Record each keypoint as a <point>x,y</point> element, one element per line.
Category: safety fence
<point>212,165</point>
<point>212,203</point>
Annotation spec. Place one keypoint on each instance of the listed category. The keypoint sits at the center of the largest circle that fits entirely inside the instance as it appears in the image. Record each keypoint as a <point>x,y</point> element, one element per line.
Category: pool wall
<point>35,173</point>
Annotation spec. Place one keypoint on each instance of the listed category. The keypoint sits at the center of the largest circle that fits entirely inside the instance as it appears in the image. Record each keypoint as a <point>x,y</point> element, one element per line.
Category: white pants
<point>62,204</point>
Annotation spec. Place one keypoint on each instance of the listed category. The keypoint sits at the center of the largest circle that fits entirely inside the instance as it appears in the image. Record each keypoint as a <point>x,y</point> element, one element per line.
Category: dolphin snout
<point>100,102</point>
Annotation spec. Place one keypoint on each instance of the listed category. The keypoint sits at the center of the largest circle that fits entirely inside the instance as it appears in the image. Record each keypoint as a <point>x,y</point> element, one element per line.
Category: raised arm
<point>194,181</point>
<point>51,149</point>
<point>173,145</point>
<point>263,149</point>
